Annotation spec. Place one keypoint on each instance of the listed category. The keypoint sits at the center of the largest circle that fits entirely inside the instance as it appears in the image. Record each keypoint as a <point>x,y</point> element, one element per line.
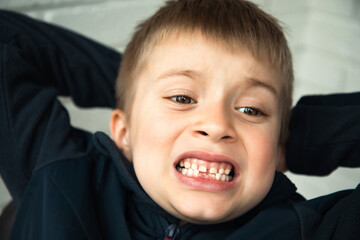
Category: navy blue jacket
<point>71,184</point>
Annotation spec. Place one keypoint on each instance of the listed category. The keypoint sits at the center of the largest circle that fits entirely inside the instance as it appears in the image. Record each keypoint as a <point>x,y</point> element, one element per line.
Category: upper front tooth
<point>213,170</point>
<point>194,166</point>
<point>202,169</point>
<point>221,170</point>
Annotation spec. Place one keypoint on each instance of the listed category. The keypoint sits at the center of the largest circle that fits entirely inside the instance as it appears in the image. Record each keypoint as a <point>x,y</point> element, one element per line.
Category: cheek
<point>262,149</point>
<point>151,133</point>
<point>261,155</point>
<point>152,139</point>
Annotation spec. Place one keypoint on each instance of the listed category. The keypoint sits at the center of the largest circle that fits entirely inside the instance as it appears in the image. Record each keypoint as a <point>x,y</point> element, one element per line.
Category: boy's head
<point>204,96</point>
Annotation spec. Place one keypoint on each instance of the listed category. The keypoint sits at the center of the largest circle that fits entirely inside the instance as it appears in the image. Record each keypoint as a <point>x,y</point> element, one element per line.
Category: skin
<point>229,106</point>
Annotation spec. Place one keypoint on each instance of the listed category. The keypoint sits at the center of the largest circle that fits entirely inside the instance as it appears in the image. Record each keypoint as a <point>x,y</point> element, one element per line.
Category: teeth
<point>218,176</point>
<point>198,168</point>
<point>212,176</point>
<point>195,173</point>
<point>213,170</point>
<point>223,178</point>
<point>194,166</point>
<point>202,169</point>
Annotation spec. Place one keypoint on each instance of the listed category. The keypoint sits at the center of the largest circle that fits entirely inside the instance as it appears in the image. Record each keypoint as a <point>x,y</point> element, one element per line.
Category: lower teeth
<point>195,173</point>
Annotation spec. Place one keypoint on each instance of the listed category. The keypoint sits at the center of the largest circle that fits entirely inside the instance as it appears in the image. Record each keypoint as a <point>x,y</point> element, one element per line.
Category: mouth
<point>196,168</point>
<point>206,167</point>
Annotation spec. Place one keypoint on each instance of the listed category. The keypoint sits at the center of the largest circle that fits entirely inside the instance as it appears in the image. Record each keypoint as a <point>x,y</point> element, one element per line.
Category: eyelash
<point>184,100</point>
<point>181,99</point>
<point>250,111</point>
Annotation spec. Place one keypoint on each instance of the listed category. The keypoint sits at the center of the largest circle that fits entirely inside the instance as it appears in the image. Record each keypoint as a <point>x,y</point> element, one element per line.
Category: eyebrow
<point>250,82</point>
<point>184,73</point>
<point>253,82</point>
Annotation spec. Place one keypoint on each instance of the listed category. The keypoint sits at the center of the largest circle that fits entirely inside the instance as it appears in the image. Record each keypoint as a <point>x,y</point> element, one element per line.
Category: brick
<point>304,87</point>
<point>111,23</point>
<point>14,4</point>
<point>294,25</point>
<point>353,78</point>
<point>334,34</point>
<point>93,120</point>
<point>4,195</point>
<point>341,7</point>
<point>319,68</point>
<point>263,4</point>
<point>312,186</point>
<point>287,6</point>
<point>292,15</point>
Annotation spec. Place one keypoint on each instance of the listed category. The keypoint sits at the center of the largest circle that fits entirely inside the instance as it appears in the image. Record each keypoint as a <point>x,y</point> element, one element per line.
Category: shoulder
<point>63,197</point>
<point>85,171</point>
<point>334,216</point>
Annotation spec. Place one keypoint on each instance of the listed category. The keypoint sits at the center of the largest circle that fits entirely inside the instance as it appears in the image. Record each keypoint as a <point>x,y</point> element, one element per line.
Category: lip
<point>205,184</point>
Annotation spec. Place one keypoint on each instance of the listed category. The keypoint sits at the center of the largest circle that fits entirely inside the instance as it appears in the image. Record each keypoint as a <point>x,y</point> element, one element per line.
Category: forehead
<point>193,55</point>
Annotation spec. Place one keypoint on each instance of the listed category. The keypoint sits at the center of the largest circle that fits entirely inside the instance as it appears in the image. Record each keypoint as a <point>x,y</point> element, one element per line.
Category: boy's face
<point>204,129</point>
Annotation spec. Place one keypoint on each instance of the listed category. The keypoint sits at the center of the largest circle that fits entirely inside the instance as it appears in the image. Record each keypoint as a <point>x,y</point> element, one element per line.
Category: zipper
<point>172,231</point>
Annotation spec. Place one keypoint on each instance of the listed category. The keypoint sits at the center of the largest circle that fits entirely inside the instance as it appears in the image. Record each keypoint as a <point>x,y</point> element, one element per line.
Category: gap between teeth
<point>193,170</point>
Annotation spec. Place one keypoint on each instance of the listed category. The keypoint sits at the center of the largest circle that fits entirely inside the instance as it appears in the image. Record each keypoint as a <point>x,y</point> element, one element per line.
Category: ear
<point>120,132</point>
<point>281,159</point>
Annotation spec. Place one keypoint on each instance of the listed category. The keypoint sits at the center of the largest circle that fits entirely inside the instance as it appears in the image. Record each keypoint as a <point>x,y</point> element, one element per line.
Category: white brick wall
<point>111,23</point>
<point>324,36</point>
<point>24,5</point>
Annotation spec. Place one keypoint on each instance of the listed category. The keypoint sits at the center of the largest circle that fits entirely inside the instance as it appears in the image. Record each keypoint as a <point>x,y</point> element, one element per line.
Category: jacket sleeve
<point>59,201</point>
<point>324,134</point>
<point>45,214</point>
<point>38,63</point>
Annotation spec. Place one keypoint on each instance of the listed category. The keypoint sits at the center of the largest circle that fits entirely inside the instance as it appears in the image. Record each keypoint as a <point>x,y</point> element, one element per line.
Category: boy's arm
<point>38,63</point>
<point>324,134</point>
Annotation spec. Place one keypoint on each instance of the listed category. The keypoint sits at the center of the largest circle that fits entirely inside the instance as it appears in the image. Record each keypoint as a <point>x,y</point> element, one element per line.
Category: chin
<point>201,214</point>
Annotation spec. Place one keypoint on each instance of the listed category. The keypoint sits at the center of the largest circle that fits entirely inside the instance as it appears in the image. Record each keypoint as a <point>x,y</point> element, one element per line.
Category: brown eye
<point>183,99</point>
<point>249,111</point>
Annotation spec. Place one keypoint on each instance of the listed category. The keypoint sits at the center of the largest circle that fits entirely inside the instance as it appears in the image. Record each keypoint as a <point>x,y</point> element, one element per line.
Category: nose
<point>214,122</point>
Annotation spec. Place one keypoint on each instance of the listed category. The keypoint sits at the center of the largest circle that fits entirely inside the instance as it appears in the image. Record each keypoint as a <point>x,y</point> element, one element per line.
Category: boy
<point>193,125</point>
<point>203,101</point>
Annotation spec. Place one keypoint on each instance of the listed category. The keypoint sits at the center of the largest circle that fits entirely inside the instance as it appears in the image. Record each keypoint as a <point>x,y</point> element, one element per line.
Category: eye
<point>249,111</point>
<point>183,99</point>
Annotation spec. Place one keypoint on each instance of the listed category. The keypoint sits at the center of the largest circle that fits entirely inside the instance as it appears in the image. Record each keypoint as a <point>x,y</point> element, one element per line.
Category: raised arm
<point>38,63</point>
<point>324,134</point>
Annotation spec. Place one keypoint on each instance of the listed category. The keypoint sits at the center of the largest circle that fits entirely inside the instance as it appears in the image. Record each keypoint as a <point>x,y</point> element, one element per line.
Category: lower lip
<point>203,184</point>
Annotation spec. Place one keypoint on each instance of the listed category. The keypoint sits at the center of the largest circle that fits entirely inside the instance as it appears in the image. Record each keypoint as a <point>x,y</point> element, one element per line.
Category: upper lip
<point>208,156</point>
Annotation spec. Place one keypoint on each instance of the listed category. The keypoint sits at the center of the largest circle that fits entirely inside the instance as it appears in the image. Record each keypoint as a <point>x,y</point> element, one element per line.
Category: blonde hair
<point>235,23</point>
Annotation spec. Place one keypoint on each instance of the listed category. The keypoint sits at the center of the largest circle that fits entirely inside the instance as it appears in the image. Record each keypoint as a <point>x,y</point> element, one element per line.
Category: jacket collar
<point>281,190</point>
